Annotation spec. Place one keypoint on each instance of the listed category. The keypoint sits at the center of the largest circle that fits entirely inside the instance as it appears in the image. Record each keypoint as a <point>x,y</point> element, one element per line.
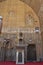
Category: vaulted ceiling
<point>37,6</point>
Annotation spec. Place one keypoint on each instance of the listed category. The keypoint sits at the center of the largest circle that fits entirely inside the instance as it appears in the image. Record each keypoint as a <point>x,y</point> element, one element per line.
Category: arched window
<point>29,20</point>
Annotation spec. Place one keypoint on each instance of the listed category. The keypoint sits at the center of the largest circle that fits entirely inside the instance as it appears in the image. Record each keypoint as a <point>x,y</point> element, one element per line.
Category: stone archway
<point>31,52</point>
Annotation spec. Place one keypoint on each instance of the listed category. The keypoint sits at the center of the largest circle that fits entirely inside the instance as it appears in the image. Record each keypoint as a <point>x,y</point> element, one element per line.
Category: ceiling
<point>35,4</point>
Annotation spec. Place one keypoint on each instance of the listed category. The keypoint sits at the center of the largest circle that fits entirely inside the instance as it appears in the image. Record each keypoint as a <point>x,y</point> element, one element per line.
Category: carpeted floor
<point>29,63</point>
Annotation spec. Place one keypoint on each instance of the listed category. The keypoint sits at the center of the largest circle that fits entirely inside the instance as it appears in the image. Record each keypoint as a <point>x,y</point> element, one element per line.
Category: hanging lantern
<point>1,22</point>
<point>37,29</point>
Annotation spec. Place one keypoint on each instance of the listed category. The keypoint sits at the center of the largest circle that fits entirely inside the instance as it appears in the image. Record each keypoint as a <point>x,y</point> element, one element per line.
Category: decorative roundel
<point>29,19</point>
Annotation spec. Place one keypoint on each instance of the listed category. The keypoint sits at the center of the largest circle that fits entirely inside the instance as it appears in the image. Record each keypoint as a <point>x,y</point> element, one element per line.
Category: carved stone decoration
<point>29,20</point>
<point>11,13</point>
